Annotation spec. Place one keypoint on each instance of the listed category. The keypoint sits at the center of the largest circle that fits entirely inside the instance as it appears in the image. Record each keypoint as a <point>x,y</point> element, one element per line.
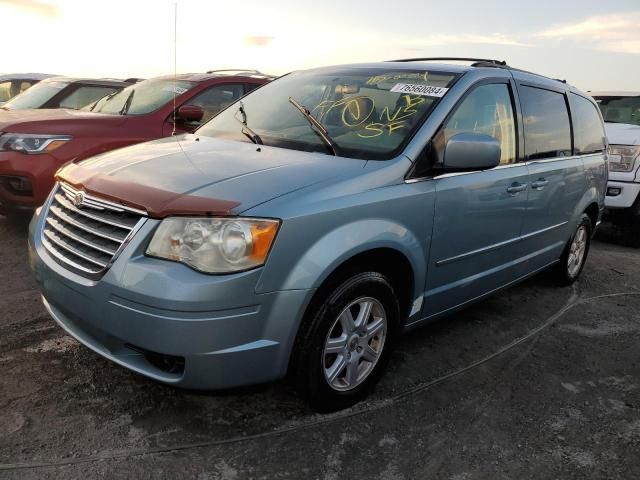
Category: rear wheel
<point>576,252</point>
<point>345,342</point>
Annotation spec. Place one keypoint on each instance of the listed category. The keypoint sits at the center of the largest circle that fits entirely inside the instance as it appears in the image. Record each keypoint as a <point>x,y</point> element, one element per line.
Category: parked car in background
<point>305,226</point>
<point>35,143</point>
<point>16,83</point>
<point>65,92</point>
<point>621,112</point>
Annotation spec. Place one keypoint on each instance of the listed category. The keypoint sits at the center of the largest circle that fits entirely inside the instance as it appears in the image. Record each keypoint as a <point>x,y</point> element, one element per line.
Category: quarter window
<point>487,110</point>
<point>588,128</point>
<point>547,129</point>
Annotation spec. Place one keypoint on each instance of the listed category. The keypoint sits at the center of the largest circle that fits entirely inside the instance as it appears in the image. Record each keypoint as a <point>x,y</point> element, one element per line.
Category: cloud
<point>614,33</point>
<point>465,38</point>
<point>258,40</point>
<point>34,6</point>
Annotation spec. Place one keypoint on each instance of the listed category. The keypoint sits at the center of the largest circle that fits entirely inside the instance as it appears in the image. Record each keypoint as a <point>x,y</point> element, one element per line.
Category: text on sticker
<point>415,89</point>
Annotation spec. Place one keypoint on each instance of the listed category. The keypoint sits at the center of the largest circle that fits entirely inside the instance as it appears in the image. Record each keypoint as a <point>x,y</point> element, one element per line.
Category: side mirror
<point>190,113</point>
<point>471,151</point>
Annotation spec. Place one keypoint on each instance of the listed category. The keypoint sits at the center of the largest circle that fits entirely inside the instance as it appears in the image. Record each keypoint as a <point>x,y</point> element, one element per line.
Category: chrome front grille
<point>86,233</point>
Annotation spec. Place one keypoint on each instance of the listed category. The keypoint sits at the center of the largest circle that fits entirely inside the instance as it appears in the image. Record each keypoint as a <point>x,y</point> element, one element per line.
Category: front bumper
<point>170,323</point>
<point>38,170</point>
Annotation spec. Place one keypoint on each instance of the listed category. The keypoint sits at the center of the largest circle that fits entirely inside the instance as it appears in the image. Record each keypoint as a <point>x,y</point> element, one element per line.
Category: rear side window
<point>588,128</point>
<point>486,110</point>
<point>547,130</point>
<point>83,96</point>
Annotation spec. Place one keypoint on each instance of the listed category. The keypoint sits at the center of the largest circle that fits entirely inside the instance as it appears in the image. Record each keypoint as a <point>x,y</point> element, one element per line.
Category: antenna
<point>175,62</point>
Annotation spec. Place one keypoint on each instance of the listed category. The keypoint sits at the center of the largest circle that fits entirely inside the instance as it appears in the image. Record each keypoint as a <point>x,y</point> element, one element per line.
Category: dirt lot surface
<point>536,382</point>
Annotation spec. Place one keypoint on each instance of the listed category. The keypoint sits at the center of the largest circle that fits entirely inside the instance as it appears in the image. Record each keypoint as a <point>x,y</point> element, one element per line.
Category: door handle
<point>516,188</point>
<point>539,184</point>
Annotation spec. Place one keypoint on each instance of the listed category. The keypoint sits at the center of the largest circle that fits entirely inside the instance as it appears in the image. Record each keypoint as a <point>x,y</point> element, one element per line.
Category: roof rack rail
<point>240,70</point>
<point>477,62</point>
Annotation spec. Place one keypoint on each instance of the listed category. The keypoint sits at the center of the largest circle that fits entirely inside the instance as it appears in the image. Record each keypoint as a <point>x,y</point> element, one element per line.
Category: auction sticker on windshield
<point>416,89</point>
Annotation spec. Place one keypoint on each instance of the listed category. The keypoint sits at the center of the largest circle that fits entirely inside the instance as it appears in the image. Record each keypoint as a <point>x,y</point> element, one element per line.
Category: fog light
<point>614,191</point>
<point>17,185</point>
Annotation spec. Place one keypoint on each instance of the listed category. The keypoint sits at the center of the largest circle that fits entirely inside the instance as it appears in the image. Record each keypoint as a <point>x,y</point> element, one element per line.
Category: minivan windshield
<point>36,96</point>
<point>357,112</point>
<point>141,98</point>
<point>620,109</point>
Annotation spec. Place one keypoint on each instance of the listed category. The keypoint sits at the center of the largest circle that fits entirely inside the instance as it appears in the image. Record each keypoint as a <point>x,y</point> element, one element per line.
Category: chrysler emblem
<point>78,199</point>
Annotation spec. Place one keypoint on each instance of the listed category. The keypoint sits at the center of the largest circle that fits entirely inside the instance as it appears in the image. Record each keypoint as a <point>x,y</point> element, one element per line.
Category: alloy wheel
<point>354,344</point>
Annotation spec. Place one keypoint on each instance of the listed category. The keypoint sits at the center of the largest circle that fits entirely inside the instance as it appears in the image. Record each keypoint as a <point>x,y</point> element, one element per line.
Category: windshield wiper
<point>316,126</point>
<point>127,103</point>
<point>253,136</point>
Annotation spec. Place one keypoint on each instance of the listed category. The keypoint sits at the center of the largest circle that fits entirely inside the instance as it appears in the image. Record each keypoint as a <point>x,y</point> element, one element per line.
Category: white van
<point>621,113</point>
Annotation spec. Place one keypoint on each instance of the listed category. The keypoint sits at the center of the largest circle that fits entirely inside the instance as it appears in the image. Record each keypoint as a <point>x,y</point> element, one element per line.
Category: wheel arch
<point>390,262</point>
<point>589,204</point>
<point>367,241</point>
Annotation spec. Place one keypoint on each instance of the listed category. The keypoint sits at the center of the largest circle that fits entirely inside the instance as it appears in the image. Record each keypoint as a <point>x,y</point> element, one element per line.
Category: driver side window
<point>487,110</point>
<point>215,99</point>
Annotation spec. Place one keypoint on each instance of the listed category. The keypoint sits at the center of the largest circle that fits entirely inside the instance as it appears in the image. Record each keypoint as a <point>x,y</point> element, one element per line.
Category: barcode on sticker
<point>416,89</point>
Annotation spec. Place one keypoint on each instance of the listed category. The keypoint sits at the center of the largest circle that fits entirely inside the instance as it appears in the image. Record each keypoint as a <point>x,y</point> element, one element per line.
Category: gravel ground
<point>536,382</point>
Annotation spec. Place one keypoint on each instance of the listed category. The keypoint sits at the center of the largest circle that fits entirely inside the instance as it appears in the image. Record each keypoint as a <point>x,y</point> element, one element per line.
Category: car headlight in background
<point>622,157</point>
<point>31,143</point>
<point>214,245</point>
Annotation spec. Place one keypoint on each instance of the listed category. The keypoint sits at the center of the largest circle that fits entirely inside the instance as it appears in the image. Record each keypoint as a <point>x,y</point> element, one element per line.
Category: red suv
<point>35,143</point>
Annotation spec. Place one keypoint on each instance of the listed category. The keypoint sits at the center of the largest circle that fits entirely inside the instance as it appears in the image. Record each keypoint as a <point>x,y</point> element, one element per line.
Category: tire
<point>332,381</point>
<point>575,253</point>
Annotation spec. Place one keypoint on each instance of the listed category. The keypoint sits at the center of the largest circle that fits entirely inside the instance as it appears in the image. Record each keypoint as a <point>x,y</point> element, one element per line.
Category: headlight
<point>31,143</point>
<point>622,157</point>
<point>214,245</point>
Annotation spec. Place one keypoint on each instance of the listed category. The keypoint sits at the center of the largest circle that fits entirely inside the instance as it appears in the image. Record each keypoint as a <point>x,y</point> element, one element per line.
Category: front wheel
<point>576,252</point>
<point>345,343</point>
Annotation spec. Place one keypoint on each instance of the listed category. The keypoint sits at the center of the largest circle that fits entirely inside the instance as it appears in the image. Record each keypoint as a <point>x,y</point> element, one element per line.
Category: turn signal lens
<point>263,234</point>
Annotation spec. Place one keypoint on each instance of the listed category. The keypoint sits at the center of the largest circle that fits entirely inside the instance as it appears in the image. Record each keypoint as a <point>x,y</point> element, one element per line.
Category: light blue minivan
<point>308,224</point>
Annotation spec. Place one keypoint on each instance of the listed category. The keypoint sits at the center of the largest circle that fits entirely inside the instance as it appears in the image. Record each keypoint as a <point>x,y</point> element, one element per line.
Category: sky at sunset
<point>592,44</point>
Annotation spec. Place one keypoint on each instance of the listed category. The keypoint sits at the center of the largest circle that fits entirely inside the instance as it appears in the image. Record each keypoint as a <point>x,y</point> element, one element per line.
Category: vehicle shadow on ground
<point>612,235</point>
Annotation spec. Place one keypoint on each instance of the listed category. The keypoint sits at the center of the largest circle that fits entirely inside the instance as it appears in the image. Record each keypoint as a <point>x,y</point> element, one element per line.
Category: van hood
<point>54,121</point>
<point>195,175</point>
<point>622,133</point>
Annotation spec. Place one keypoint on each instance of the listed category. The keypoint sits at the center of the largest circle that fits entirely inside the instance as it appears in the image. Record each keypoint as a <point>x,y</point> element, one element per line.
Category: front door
<point>478,216</point>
